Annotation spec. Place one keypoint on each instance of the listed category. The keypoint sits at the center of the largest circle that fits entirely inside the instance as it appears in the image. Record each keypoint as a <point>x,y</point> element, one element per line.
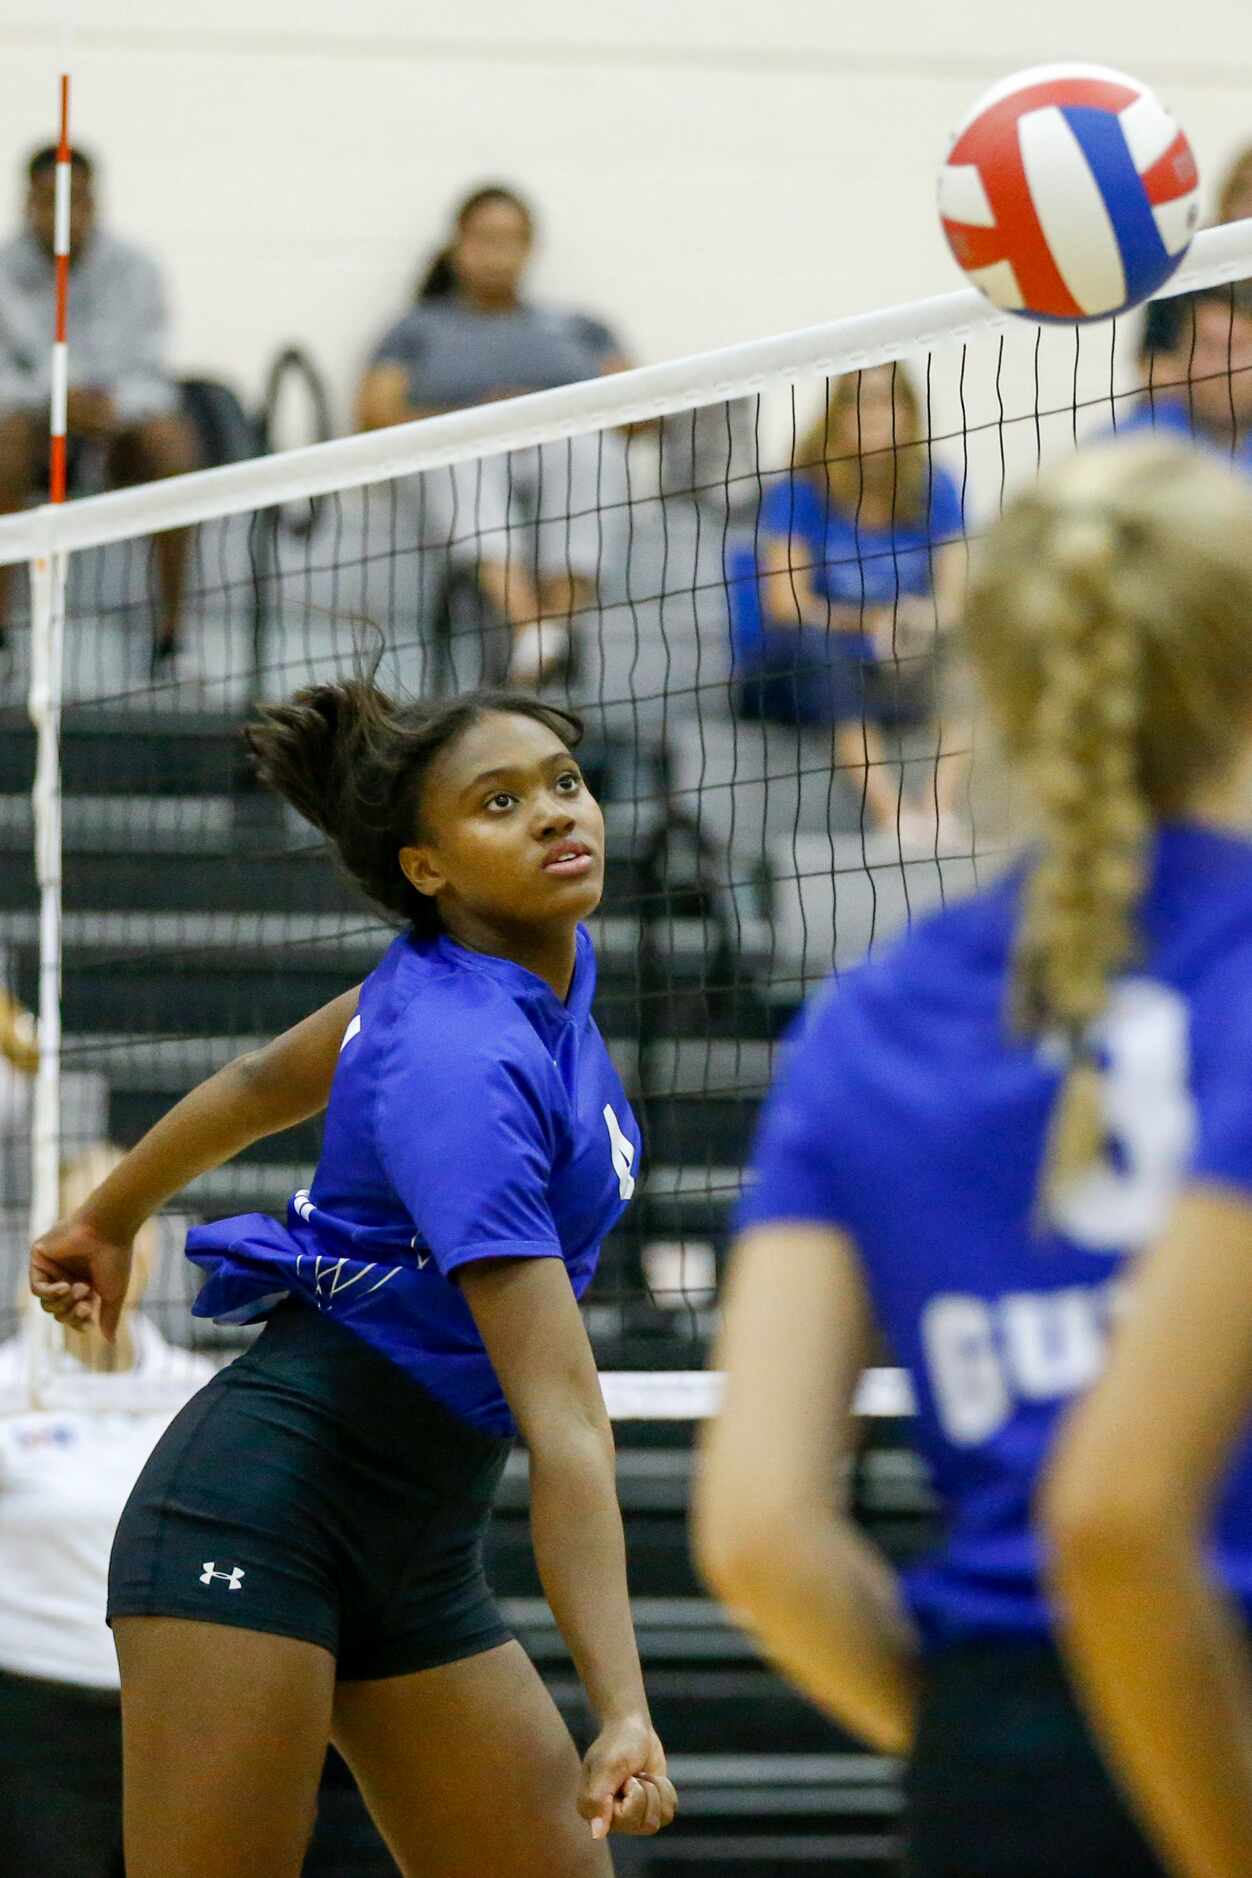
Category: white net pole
<point>48,583</point>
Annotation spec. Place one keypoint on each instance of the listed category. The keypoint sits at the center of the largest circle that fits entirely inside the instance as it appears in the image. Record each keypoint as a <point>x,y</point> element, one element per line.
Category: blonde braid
<point>1110,624</point>
<point>1078,926</point>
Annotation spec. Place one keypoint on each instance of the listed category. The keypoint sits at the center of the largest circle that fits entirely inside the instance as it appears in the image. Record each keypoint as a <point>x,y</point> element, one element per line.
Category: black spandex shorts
<point>314,1490</point>
<point>1005,1781</point>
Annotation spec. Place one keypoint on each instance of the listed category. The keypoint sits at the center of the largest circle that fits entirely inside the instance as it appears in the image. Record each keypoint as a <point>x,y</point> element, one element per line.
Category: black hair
<point>45,159</point>
<point>1168,322</point>
<point>352,762</point>
<point>438,281</point>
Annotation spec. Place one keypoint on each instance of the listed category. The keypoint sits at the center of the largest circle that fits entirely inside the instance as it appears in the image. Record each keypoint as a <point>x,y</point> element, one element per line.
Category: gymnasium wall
<point>706,170</point>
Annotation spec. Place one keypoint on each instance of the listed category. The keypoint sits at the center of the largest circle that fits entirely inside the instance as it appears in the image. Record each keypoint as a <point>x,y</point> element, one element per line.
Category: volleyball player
<point>971,1138</point>
<point>302,1555</point>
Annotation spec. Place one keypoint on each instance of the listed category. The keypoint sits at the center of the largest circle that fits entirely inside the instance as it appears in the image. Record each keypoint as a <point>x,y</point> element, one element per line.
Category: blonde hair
<point>1110,622</point>
<point>831,457</point>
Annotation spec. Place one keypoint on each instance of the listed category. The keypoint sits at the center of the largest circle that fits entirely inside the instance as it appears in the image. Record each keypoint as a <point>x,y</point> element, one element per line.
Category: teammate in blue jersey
<point>1025,1130</point>
<point>301,1558</point>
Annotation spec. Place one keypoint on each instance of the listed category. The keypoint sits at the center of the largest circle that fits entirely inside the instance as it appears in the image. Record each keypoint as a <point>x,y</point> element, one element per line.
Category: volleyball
<point>1069,193</point>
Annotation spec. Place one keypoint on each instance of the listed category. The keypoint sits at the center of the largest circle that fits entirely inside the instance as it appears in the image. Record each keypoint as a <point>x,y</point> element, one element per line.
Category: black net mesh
<point>790,760</point>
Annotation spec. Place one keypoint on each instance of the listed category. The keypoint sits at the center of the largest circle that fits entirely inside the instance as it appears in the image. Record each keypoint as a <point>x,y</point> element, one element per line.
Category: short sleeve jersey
<point>852,564</point>
<point>473,1116</point>
<point>909,1117</point>
<point>459,355</point>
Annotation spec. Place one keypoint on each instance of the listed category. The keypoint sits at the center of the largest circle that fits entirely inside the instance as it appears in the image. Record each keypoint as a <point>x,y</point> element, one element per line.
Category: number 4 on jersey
<point>623,1152</point>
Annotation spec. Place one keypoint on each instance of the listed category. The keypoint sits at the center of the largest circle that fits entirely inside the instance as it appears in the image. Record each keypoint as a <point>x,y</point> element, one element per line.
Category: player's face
<point>514,835</point>
<point>491,250</point>
<point>41,202</point>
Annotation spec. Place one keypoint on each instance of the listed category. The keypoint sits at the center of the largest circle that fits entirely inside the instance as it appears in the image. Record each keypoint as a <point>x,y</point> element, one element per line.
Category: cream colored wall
<point>705,170</point>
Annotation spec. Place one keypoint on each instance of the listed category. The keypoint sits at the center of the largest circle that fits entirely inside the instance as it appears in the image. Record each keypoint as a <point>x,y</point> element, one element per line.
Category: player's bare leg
<point>469,1771</point>
<point>224,1734</point>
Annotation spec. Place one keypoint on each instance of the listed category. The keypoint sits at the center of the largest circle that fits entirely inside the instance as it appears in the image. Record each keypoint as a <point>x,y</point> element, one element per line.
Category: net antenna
<point>48,585</point>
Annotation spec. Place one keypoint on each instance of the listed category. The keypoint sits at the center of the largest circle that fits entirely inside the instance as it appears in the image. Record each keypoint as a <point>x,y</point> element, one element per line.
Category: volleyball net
<point>790,759</point>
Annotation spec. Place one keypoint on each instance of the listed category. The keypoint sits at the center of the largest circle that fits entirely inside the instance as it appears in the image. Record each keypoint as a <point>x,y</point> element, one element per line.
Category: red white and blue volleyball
<point>1069,193</point>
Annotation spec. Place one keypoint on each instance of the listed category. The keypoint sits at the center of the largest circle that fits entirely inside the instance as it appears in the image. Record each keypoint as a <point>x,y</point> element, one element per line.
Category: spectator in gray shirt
<point>471,338</point>
<point>122,402</point>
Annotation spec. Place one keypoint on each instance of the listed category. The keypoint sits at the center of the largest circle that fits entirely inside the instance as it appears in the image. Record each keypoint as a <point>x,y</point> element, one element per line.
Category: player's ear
<point>421,870</point>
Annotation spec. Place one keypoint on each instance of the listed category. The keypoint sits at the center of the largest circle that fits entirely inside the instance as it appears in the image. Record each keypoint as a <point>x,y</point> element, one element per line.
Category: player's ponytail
<point>352,761</point>
<point>1111,624</point>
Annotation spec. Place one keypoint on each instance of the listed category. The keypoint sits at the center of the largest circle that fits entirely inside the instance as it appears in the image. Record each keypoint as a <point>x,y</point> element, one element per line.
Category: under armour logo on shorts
<point>234,1577</point>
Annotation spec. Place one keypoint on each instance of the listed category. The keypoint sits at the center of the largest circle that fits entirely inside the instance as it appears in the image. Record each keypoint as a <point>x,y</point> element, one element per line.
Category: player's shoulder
<point>437,1002</point>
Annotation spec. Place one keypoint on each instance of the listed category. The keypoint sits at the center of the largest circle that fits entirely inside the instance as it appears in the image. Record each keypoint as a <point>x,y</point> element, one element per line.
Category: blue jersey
<point>1168,413</point>
<point>472,1116</point>
<point>852,564</point>
<point>908,1116</point>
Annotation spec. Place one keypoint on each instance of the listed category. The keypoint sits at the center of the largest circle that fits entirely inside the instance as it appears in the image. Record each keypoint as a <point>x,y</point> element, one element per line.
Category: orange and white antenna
<point>61,250</point>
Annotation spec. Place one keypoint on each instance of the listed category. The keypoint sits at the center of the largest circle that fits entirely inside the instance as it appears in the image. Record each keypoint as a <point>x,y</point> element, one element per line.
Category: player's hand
<point>625,1787</point>
<point>79,1276</point>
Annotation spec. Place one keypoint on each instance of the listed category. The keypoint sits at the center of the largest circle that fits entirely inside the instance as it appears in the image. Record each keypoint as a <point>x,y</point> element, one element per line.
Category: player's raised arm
<point>82,1265</point>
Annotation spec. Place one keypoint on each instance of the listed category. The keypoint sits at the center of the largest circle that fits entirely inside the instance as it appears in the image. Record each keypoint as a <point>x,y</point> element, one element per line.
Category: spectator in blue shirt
<point>1199,373</point>
<point>861,562</point>
<point>469,339</point>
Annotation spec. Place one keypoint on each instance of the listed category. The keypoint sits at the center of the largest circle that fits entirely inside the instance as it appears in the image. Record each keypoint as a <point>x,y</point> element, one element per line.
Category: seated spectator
<point>122,404</point>
<point>472,338</point>
<point>1199,372</point>
<point>860,569</point>
<point>1163,326</point>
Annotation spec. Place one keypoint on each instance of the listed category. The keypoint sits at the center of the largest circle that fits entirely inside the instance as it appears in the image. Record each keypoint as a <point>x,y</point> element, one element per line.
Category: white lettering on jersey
<point>623,1153</point>
<point>1123,1201</point>
<point>986,1356</point>
<point>353,1030</point>
<point>971,1394</point>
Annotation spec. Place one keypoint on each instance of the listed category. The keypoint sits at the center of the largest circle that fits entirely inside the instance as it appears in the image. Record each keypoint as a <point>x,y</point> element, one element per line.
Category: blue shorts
<point>804,676</point>
<point>314,1490</point>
